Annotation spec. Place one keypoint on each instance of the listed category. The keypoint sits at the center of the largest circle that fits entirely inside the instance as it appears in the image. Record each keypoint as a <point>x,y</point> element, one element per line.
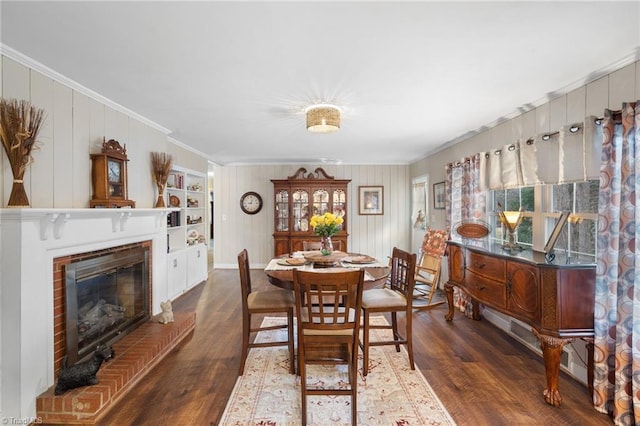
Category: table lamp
<point>510,220</point>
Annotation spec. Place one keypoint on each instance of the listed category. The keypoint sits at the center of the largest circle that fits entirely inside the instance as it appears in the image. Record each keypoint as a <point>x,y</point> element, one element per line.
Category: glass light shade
<point>323,119</point>
<point>512,219</point>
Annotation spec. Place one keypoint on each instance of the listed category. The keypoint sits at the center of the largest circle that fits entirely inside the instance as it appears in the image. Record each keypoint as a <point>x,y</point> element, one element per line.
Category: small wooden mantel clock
<point>109,176</point>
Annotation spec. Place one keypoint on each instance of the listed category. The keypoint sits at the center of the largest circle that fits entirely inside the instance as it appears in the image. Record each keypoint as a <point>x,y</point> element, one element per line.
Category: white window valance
<point>568,155</point>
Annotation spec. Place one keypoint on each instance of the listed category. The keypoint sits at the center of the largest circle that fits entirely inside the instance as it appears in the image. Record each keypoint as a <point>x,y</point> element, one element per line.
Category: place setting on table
<point>280,270</point>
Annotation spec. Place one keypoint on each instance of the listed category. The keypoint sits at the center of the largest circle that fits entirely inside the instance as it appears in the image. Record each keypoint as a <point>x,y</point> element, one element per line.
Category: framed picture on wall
<point>371,200</point>
<point>439,196</point>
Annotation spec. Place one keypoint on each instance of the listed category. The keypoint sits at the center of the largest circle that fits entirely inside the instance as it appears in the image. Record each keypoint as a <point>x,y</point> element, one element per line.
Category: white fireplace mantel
<point>29,241</point>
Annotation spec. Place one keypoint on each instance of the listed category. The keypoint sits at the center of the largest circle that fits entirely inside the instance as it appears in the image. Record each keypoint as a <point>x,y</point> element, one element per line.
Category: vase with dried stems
<point>19,126</point>
<point>161,163</point>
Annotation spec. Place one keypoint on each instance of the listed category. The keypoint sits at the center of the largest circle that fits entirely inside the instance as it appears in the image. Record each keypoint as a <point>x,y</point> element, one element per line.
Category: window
<point>541,207</point>
<point>581,199</point>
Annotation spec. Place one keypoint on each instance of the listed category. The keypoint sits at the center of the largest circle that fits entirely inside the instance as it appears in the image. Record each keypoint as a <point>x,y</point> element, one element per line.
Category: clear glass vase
<point>327,245</point>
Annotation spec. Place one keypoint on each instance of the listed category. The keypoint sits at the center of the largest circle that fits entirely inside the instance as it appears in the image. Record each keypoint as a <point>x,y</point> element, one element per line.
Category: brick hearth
<point>135,355</point>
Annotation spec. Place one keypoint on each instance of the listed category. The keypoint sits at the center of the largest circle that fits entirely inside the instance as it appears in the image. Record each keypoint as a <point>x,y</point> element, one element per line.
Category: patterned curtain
<point>465,202</point>
<point>616,380</point>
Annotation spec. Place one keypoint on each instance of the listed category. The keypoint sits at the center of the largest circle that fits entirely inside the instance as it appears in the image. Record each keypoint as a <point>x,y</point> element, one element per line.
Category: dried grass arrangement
<point>161,163</point>
<point>19,126</point>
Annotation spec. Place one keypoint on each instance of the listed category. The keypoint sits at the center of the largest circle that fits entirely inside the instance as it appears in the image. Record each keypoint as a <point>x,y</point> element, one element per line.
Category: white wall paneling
<point>622,86</point>
<point>42,95</point>
<point>80,164</point>
<point>557,112</point>
<point>62,147</point>
<point>515,128</point>
<point>375,235</point>
<point>576,105</point>
<point>597,97</point>
<point>542,118</point>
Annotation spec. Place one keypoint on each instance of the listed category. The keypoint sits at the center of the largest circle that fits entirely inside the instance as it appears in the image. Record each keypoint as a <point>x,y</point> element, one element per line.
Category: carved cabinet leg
<point>448,290</point>
<point>552,353</point>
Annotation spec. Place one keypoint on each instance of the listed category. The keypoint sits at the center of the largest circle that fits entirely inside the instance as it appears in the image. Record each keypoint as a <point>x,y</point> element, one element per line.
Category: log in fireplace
<point>106,297</point>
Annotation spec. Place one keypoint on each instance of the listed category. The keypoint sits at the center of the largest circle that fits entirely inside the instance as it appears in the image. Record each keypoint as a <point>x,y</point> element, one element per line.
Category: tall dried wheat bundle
<point>19,126</point>
<point>161,163</point>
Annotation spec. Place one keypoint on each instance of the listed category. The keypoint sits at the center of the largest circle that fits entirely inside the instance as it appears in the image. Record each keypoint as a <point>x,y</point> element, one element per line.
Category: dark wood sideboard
<point>556,299</point>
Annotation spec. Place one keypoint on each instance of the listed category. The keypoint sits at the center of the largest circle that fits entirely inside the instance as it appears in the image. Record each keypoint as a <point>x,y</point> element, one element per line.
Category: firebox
<point>106,297</point>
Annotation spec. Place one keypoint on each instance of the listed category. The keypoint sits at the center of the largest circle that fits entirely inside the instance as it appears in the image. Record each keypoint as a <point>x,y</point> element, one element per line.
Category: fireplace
<point>105,297</point>
<point>36,246</point>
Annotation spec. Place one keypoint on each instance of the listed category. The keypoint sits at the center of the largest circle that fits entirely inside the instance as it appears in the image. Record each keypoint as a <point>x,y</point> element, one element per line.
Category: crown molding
<point>192,149</point>
<point>43,69</point>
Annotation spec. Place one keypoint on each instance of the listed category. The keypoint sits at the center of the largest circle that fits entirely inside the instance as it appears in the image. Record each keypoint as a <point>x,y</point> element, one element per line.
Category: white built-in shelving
<point>186,236</point>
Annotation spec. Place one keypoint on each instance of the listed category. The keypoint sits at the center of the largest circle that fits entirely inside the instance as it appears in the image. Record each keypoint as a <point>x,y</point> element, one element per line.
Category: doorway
<point>419,211</point>
<point>211,204</point>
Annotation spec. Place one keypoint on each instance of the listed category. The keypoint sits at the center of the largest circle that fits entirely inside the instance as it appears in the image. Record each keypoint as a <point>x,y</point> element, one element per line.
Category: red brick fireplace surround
<point>135,354</point>
<point>32,319</point>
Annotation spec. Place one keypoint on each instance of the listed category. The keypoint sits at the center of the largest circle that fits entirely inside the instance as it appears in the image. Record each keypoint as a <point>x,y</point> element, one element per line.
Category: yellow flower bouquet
<point>326,225</point>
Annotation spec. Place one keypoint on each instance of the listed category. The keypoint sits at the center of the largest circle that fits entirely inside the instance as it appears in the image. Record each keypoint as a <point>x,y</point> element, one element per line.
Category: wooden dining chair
<point>328,332</point>
<point>427,276</point>
<point>311,245</point>
<point>317,245</point>
<point>396,296</point>
<point>263,302</point>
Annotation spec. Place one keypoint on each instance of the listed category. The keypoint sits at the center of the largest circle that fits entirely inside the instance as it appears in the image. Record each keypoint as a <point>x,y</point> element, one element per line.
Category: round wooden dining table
<point>284,278</point>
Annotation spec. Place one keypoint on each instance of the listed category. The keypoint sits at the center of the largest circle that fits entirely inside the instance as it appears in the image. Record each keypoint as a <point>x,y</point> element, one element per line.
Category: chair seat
<point>273,300</point>
<point>383,298</point>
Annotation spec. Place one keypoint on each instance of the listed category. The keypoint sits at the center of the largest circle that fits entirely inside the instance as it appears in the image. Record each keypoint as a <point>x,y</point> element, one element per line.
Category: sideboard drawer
<point>486,290</point>
<point>491,267</point>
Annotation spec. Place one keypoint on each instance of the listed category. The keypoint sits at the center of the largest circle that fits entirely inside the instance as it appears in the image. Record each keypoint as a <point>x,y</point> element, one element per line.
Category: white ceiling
<point>231,79</point>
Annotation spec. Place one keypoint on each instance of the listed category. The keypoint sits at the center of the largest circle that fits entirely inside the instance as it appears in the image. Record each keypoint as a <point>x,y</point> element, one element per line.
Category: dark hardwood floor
<point>482,376</point>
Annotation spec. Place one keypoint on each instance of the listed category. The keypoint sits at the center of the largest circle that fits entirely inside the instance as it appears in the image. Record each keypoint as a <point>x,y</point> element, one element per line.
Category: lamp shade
<point>323,118</point>
<point>512,218</point>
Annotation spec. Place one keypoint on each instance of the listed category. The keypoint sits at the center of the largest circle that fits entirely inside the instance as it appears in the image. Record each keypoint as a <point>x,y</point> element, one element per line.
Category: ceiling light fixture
<point>323,118</point>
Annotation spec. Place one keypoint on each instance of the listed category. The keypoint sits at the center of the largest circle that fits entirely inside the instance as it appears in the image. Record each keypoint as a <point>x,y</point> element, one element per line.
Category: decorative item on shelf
<point>174,181</point>
<point>326,226</point>
<point>195,187</point>
<point>19,126</point>
<point>193,220</point>
<point>161,165</point>
<point>109,176</point>
<point>193,237</point>
<point>323,118</point>
<point>191,202</point>
<point>510,220</point>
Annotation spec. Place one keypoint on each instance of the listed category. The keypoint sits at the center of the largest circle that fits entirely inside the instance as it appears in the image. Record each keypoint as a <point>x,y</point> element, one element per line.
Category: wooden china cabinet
<point>301,196</point>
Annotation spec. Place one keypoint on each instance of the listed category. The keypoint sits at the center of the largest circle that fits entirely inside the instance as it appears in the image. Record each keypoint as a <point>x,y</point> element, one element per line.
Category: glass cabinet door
<point>339,202</point>
<point>282,210</point>
<point>320,201</point>
<point>300,207</point>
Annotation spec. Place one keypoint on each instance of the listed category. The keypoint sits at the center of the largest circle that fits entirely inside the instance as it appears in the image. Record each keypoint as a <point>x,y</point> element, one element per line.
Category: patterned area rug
<point>391,394</point>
